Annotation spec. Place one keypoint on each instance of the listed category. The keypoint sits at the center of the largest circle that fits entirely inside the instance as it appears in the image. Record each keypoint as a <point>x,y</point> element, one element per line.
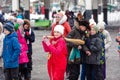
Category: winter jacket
<point>58,60</point>
<point>1,47</point>
<point>24,48</point>
<point>11,51</point>
<point>94,43</point>
<point>30,38</point>
<point>108,40</point>
<point>64,23</point>
<point>77,34</point>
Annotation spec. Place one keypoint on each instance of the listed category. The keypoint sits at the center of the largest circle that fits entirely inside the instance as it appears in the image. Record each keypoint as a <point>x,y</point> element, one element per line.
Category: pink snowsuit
<point>23,58</point>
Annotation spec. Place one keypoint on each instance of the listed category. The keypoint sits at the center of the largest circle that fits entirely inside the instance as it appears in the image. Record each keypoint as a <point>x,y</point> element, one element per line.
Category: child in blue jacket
<point>10,54</point>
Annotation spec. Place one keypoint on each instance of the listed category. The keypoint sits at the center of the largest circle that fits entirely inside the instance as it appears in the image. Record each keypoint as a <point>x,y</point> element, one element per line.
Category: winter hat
<point>101,25</point>
<point>96,28</point>
<point>9,26</point>
<point>20,21</point>
<point>84,23</point>
<point>59,28</point>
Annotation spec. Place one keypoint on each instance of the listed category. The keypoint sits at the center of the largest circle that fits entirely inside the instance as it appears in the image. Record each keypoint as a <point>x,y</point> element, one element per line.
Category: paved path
<point>39,58</point>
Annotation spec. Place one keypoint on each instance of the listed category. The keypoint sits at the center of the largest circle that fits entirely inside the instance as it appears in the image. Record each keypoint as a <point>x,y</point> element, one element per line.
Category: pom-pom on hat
<point>59,28</point>
<point>9,26</point>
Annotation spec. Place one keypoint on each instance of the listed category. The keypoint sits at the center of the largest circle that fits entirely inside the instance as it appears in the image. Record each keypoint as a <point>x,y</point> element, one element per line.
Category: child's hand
<point>88,53</point>
<point>46,40</point>
<point>79,47</point>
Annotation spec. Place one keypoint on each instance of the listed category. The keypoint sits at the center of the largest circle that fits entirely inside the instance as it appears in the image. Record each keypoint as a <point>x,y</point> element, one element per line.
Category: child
<point>23,58</point>
<point>30,38</point>
<point>93,66</point>
<point>11,52</point>
<point>1,47</point>
<point>58,54</point>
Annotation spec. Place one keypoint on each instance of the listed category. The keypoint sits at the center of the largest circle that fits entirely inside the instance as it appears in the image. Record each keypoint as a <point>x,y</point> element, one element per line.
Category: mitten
<point>27,33</point>
<point>47,42</point>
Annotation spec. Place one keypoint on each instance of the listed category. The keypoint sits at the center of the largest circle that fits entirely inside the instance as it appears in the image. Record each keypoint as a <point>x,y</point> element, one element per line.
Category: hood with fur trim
<point>26,21</point>
<point>63,19</point>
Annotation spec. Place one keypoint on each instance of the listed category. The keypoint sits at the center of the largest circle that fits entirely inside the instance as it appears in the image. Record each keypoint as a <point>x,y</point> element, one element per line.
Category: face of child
<point>82,28</point>
<point>26,26</point>
<point>101,30</point>
<point>6,31</point>
<point>92,32</point>
<point>57,34</point>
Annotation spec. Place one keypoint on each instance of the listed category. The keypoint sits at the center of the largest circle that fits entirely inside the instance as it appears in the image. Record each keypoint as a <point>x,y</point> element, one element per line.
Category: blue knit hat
<point>9,26</point>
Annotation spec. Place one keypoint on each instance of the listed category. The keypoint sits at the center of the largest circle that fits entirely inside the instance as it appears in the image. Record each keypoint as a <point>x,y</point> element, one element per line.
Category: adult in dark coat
<point>78,32</point>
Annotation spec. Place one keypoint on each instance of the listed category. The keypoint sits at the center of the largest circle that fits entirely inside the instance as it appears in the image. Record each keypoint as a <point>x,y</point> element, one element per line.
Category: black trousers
<point>94,72</point>
<point>11,73</point>
<point>74,71</point>
<point>23,71</point>
<point>29,64</point>
<point>2,77</point>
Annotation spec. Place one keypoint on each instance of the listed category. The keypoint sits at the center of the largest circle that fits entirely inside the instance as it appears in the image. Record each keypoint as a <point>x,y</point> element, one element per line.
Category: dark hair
<point>85,23</point>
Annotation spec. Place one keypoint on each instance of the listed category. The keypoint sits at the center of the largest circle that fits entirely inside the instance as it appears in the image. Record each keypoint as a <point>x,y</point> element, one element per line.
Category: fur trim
<point>64,18</point>
<point>26,21</point>
<point>101,25</point>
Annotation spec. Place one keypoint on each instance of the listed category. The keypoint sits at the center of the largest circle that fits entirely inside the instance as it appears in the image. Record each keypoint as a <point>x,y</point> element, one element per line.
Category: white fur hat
<point>59,28</point>
<point>101,25</point>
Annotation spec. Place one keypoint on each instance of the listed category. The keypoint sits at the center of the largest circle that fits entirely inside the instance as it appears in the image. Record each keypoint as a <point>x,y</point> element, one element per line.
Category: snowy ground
<point>113,18</point>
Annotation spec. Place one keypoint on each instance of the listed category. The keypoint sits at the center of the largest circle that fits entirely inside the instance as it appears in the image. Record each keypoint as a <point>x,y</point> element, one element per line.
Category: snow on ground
<point>113,18</point>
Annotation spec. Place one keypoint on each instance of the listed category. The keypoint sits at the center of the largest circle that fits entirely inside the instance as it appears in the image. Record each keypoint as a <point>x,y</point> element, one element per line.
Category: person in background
<point>30,38</point>
<point>57,49</point>
<point>2,35</point>
<point>20,14</point>
<point>11,52</point>
<point>118,41</point>
<point>107,42</point>
<point>61,19</point>
<point>70,18</point>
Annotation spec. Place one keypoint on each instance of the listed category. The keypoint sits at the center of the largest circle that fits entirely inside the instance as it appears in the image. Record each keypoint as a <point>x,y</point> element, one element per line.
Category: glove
<point>46,40</point>
<point>27,33</point>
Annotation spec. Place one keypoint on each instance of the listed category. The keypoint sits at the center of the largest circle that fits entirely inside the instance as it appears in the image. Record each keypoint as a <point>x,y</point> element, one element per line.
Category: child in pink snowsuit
<point>57,49</point>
